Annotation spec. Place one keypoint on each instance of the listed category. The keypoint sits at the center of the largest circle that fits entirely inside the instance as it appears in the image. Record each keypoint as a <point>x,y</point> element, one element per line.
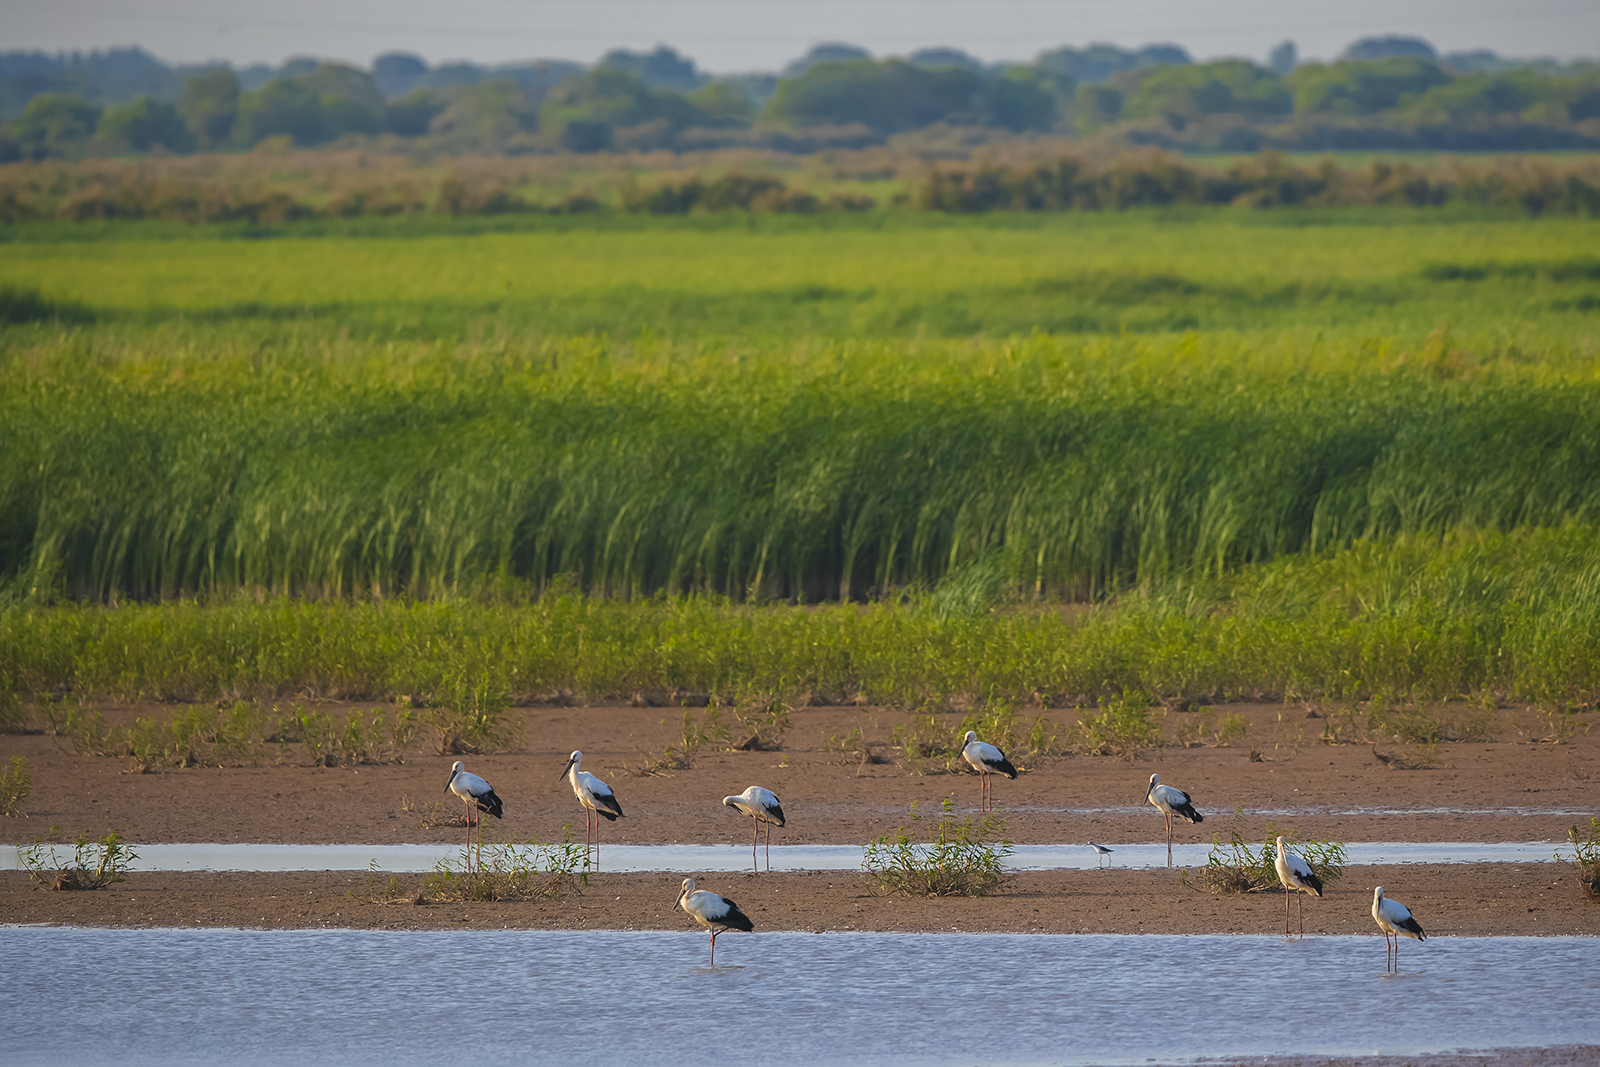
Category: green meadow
<point>1345,454</point>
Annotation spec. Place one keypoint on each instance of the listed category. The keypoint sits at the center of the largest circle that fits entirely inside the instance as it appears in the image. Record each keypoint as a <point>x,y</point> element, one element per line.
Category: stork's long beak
<point>448,780</point>
<point>564,771</point>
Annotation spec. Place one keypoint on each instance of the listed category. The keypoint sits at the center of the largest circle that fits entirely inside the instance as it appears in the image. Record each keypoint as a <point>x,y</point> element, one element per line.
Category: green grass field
<point>1344,453</point>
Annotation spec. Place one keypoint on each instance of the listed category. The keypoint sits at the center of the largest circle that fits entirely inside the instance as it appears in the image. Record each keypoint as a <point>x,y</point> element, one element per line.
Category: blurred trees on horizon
<point>1385,93</point>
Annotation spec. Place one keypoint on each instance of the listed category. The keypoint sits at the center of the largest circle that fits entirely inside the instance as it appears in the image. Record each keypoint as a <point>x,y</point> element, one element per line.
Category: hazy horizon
<point>728,36</point>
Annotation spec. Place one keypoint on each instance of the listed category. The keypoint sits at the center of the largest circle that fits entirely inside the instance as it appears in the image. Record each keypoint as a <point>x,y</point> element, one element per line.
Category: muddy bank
<point>1460,900</point>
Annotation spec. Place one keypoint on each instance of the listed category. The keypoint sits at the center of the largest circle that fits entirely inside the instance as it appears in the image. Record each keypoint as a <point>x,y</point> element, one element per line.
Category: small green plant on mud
<point>964,857</point>
<point>1205,730</point>
<point>1122,729</point>
<point>763,720</point>
<point>1586,857</point>
<point>95,863</point>
<point>1237,867</point>
<point>534,871</point>
<point>468,714</point>
<point>13,786</point>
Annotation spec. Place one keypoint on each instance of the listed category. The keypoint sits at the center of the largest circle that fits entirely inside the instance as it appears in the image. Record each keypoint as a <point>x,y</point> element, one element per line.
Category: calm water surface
<point>647,999</point>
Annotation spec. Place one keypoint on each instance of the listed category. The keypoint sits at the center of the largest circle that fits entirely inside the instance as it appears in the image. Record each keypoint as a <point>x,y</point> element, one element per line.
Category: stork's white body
<point>762,807</point>
<point>1171,802</point>
<point>597,799</point>
<point>1396,921</point>
<point>986,760</point>
<point>716,913</point>
<point>478,795</point>
<point>1297,877</point>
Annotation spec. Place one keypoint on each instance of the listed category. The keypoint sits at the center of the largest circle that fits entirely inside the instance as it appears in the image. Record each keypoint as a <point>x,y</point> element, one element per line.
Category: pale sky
<point>739,35</point>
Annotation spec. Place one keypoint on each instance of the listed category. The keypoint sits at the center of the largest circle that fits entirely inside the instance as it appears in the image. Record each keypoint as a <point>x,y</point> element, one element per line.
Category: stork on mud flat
<point>478,796</point>
<point>597,799</point>
<point>762,807</point>
<point>986,760</point>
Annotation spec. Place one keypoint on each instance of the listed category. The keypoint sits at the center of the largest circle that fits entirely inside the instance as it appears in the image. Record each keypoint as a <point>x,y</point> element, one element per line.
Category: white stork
<point>1170,802</point>
<point>1297,877</point>
<point>717,914</point>
<point>478,796</point>
<point>1100,850</point>
<point>1395,920</point>
<point>762,807</point>
<point>597,800</point>
<point>986,760</point>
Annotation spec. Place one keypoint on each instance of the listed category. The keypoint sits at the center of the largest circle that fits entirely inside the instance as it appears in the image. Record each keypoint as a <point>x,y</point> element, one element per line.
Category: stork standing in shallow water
<point>1394,918</point>
<point>1297,877</point>
<point>478,796</point>
<point>762,807</point>
<point>717,914</point>
<point>597,800</point>
<point>986,760</point>
<point>1170,802</point>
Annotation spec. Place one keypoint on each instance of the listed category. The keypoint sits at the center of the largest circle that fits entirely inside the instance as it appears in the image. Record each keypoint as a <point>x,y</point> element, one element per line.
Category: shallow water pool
<point>648,998</point>
<point>636,858</point>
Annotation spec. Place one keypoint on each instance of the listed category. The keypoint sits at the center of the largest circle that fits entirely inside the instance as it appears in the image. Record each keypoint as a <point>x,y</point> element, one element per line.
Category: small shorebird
<point>986,760</point>
<point>1297,877</point>
<point>1170,802</point>
<point>762,807</point>
<point>597,800</point>
<point>478,796</point>
<point>1394,919</point>
<point>1100,850</point>
<point>717,914</point>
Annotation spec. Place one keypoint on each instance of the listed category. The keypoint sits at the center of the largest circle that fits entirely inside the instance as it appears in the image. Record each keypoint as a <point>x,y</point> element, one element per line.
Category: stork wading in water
<point>762,807</point>
<point>717,914</point>
<point>597,799</point>
<point>1170,802</point>
<point>1395,920</point>
<point>986,760</point>
<point>478,796</point>
<point>1297,877</point>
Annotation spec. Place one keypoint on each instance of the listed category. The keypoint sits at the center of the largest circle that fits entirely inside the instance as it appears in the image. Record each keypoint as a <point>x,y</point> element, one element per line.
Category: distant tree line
<point>1147,178</point>
<point>1385,93</point>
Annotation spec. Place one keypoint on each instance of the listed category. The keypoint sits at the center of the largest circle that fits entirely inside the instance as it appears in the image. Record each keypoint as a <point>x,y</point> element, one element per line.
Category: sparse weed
<point>964,857</point>
<point>763,721</point>
<point>95,863</point>
<point>1236,867</point>
<point>1122,729</point>
<point>1586,857</point>
<point>13,786</point>
<point>533,871</point>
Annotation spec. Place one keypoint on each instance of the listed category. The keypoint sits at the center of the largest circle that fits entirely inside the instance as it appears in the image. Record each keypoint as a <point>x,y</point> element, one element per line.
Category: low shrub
<point>95,863</point>
<point>963,858</point>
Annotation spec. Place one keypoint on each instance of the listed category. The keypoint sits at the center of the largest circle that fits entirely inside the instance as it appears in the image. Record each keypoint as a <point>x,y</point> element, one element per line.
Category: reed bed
<point>1049,468</point>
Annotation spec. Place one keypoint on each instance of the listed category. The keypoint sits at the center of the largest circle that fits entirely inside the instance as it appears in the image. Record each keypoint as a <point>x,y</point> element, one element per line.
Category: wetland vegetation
<point>1318,454</point>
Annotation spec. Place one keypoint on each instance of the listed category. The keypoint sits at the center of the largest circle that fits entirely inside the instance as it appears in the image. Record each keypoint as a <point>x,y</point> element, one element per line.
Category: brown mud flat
<point>1470,900</point>
<point>1508,790</point>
